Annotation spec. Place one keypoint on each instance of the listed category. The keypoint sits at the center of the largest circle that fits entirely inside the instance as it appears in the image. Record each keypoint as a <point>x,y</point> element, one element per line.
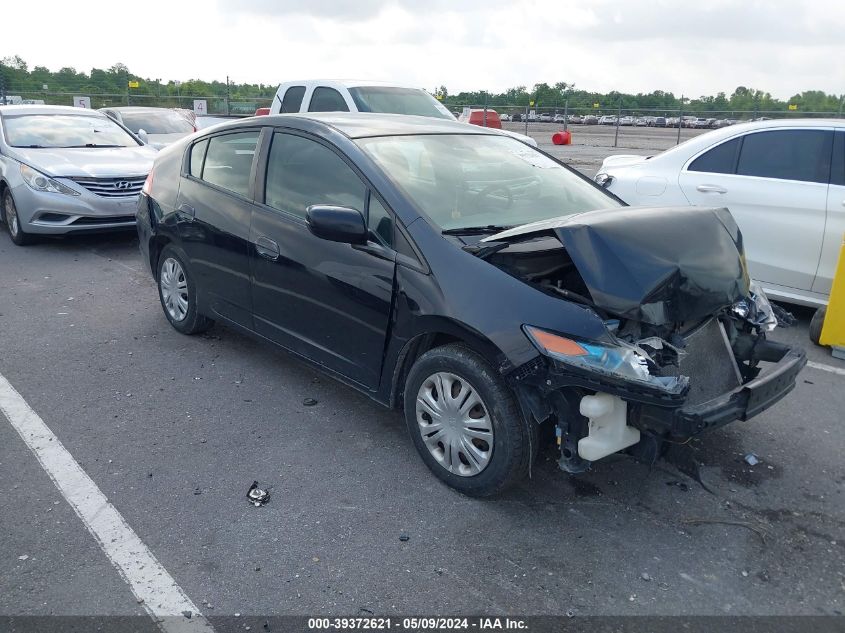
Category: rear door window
<point>787,155</point>
<point>228,161</point>
<point>293,99</point>
<point>327,100</point>
<point>719,160</point>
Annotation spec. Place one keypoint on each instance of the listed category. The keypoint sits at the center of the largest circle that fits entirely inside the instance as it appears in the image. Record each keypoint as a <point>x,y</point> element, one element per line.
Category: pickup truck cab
<point>335,95</point>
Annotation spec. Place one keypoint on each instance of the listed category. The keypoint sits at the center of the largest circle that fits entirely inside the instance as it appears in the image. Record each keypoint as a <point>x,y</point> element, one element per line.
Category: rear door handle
<point>187,210</point>
<point>711,189</point>
<point>266,247</point>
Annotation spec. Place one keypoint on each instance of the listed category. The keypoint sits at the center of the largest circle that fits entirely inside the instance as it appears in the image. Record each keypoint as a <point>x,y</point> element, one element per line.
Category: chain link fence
<point>216,104</point>
<point>646,128</point>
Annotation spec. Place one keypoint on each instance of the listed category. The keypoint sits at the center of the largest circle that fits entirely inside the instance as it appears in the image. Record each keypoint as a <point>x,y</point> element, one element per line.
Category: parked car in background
<point>558,118</point>
<point>545,118</point>
<point>608,119</point>
<point>504,116</point>
<point>590,119</point>
<point>334,95</point>
<point>466,278</point>
<point>659,121</point>
<point>641,121</point>
<point>626,120</point>
<point>783,181</point>
<point>67,170</point>
<point>576,118</point>
<point>157,127</point>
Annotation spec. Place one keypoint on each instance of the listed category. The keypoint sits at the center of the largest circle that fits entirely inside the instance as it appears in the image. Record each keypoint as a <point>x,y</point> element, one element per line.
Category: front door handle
<point>711,189</point>
<point>266,247</point>
<point>187,210</point>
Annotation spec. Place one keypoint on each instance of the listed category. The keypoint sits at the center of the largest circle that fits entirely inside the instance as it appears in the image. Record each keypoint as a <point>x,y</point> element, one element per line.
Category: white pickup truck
<point>333,95</point>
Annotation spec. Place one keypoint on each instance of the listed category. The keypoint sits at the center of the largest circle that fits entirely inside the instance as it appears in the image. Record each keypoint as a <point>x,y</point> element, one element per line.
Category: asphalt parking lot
<point>174,429</point>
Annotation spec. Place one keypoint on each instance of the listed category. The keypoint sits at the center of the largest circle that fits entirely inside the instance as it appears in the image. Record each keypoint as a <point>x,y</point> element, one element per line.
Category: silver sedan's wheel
<point>11,216</point>
<point>455,424</point>
<point>174,289</point>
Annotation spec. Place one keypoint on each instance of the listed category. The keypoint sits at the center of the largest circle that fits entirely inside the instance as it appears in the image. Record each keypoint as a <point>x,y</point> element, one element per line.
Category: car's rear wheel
<point>178,294</point>
<point>816,324</point>
<point>465,422</point>
<point>13,222</point>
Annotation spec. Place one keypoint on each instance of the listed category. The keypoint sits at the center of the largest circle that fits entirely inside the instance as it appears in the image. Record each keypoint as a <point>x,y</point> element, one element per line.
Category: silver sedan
<point>67,170</point>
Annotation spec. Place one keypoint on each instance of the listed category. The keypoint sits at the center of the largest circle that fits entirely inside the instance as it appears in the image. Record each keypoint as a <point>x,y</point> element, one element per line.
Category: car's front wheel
<point>13,222</point>
<point>178,294</point>
<point>465,422</point>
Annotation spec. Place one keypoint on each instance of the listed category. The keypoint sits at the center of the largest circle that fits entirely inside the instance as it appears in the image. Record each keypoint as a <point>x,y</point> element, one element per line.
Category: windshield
<point>157,122</point>
<point>390,100</point>
<point>65,130</point>
<point>463,180</point>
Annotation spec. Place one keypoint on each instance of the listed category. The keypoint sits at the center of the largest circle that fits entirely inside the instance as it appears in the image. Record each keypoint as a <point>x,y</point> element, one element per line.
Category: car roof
<point>367,124</point>
<point>349,83</point>
<point>47,109</point>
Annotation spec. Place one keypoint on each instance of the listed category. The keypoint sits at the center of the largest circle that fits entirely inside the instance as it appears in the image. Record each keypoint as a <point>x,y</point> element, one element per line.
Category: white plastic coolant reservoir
<point>609,431</point>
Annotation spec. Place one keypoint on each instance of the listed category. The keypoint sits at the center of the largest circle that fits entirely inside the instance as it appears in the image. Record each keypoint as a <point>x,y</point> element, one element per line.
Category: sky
<point>782,47</point>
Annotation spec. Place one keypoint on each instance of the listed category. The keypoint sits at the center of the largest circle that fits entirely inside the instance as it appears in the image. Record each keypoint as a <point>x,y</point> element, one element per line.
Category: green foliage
<point>110,87</point>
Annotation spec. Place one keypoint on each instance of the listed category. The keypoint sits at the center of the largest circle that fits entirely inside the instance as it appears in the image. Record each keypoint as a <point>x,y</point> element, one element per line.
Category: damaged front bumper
<point>742,403</point>
<point>549,388</point>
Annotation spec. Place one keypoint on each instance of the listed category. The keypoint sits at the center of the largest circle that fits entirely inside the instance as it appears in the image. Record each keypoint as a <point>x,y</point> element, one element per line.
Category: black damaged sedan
<point>469,279</point>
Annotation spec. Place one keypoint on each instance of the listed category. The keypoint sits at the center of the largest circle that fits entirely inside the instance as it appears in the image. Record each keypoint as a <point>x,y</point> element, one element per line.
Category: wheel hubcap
<point>455,424</point>
<point>11,216</point>
<point>174,289</point>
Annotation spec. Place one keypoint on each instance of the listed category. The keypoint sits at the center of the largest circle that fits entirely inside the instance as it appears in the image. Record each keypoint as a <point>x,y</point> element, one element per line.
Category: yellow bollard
<point>833,330</point>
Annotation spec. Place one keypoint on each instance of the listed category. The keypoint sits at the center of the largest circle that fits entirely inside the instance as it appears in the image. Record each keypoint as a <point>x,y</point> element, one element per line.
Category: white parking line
<point>828,368</point>
<point>149,581</point>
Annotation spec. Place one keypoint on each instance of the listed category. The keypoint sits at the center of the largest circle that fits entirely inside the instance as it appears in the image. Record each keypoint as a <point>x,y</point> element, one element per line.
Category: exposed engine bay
<point>686,328</point>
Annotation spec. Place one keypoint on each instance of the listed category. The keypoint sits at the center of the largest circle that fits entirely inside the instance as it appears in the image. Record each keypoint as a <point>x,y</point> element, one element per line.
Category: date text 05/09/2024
<point>418,623</point>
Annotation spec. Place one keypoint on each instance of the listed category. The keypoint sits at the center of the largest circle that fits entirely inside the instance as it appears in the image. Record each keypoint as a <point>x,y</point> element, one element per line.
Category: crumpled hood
<point>653,265</point>
<point>95,162</point>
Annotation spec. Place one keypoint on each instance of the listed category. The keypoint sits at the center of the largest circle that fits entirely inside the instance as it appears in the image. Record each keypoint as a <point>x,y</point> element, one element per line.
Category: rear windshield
<point>163,122</point>
<point>65,130</point>
<point>391,100</point>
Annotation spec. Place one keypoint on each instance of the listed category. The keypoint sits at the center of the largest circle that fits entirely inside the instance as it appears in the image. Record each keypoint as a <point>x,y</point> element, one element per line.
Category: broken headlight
<point>756,309</point>
<point>615,361</point>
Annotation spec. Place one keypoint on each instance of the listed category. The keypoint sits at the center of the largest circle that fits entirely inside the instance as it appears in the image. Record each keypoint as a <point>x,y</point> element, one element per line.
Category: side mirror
<point>142,134</point>
<point>337,224</point>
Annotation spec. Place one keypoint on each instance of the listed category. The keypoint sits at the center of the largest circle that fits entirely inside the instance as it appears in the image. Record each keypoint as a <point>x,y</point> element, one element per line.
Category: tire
<point>494,423</point>
<point>10,216</point>
<point>816,324</point>
<point>177,293</point>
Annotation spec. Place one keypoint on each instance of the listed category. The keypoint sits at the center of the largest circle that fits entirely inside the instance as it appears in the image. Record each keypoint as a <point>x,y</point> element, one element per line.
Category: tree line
<point>106,87</point>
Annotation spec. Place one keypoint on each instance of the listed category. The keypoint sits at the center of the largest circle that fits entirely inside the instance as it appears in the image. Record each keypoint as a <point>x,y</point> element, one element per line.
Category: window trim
<point>186,162</point>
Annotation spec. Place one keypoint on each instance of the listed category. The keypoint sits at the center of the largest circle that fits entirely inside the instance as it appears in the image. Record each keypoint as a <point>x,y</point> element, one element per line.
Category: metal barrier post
<point>680,119</point>
<point>618,116</point>
<point>565,115</point>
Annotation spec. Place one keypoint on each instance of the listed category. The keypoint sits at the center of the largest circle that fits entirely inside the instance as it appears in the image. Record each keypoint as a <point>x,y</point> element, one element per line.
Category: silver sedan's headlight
<point>38,181</point>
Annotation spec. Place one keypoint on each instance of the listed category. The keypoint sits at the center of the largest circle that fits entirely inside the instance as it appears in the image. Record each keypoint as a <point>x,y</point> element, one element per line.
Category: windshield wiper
<point>475,230</point>
<point>30,146</point>
<point>90,145</point>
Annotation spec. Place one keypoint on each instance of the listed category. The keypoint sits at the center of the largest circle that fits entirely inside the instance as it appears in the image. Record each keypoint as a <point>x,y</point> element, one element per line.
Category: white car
<point>157,127</point>
<point>343,95</point>
<point>783,181</point>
